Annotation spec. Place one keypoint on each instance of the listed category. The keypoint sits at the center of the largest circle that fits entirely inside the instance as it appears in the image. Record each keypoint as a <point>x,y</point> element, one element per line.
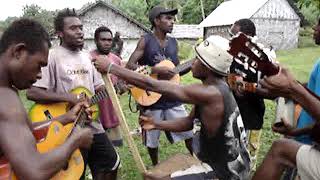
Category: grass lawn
<point>300,61</point>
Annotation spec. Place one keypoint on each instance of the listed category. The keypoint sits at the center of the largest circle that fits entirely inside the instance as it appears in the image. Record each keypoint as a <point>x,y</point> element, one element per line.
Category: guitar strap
<point>130,105</point>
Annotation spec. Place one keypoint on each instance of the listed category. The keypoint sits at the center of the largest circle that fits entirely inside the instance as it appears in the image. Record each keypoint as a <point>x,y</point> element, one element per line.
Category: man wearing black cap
<point>151,49</point>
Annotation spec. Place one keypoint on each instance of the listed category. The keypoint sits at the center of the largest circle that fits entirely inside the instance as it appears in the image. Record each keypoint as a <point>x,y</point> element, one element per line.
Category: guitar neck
<point>98,97</point>
<point>183,67</point>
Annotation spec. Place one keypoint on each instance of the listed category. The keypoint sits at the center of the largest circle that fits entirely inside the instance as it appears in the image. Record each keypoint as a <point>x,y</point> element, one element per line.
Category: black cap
<point>158,10</point>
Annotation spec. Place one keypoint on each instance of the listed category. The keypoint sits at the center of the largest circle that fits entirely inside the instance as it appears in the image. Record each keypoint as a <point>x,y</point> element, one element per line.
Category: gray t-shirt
<point>67,70</point>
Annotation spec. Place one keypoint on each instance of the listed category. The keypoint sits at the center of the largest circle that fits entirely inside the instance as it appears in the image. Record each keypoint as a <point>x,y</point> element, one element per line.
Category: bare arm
<point>178,125</point>
<point>289,130</point>
<point>211,120</point>
<point>68,117</point>
<point>266,96</point>
<point>193,94</point>
<point>136,55</point>
<point>283,84</point>
<point>41,95</point>
<point>301,131</point>
<point>19,146</point>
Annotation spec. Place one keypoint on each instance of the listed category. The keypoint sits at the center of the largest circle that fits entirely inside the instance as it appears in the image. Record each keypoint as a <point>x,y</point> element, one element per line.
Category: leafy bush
<point>185,50</point>
<point>305,37</point>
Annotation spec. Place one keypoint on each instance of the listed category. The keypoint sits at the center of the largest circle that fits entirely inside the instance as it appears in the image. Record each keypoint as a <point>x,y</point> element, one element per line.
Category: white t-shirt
<point>67,70</point>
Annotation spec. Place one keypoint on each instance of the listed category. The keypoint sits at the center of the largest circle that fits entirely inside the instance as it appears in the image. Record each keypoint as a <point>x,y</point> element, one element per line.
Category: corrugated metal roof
<point>187,31</point>
<point>230,11</point>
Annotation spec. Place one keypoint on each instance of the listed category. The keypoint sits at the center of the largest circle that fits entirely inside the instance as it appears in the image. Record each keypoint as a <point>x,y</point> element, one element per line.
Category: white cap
<point>213,53</point>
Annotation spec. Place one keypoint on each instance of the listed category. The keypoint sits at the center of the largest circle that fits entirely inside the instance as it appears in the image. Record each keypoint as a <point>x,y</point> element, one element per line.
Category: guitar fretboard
<point>99,96</point>
<point>183,67</point>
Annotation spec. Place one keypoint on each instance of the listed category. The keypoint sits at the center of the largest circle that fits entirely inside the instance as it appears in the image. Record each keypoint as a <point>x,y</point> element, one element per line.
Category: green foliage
<point>33,12</point>
<point>4,24</point>
<point>192,13</point>
<point>308,3</point>
<point>305,37</point>
<point>189,10</point>
<point>311,13</point>
<point>185,50</point>
<point>43,16</point>
<point>134,8</point>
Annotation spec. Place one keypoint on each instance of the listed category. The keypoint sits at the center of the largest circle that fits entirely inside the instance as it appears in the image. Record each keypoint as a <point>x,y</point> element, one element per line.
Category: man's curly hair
<point>59,19</point>
<point>26,31</point>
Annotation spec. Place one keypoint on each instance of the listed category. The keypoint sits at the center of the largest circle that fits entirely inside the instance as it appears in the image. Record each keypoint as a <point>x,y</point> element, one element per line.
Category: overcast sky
<point>14,7</point>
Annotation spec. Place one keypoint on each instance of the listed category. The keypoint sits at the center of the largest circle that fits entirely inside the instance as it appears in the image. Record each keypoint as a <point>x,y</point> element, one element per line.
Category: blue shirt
<point>305,119</point>
<point>153,54</point>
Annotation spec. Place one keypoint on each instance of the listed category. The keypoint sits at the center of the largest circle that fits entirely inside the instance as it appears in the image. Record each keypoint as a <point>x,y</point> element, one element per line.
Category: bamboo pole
<point>123,124</point>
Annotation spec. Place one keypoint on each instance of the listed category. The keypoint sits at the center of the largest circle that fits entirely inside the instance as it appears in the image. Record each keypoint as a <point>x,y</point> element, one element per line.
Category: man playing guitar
<point>151,49</point>
<point>69,67</point>
<point>24,50</point>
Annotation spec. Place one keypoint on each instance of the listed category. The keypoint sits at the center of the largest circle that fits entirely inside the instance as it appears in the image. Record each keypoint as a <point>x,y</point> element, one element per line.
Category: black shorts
<point>101,157</point>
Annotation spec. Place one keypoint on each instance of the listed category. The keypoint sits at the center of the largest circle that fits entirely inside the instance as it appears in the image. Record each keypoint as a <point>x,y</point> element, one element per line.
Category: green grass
<point>300,61</point>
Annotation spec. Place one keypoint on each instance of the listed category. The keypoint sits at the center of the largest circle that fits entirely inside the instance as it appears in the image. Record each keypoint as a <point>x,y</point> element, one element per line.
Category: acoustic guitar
<point>145,97</point>
<point>48,139</point>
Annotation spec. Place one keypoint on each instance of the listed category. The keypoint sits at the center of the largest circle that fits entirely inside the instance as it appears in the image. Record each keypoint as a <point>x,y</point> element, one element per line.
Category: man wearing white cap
<point>222,135</point>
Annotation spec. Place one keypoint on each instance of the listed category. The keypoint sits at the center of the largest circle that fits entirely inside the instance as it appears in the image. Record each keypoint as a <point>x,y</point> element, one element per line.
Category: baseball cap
<point>158,10</point>
<point>212,52</point>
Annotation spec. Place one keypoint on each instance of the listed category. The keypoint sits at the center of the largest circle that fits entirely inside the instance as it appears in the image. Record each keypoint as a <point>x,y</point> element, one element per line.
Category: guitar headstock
<point>245,51</point>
